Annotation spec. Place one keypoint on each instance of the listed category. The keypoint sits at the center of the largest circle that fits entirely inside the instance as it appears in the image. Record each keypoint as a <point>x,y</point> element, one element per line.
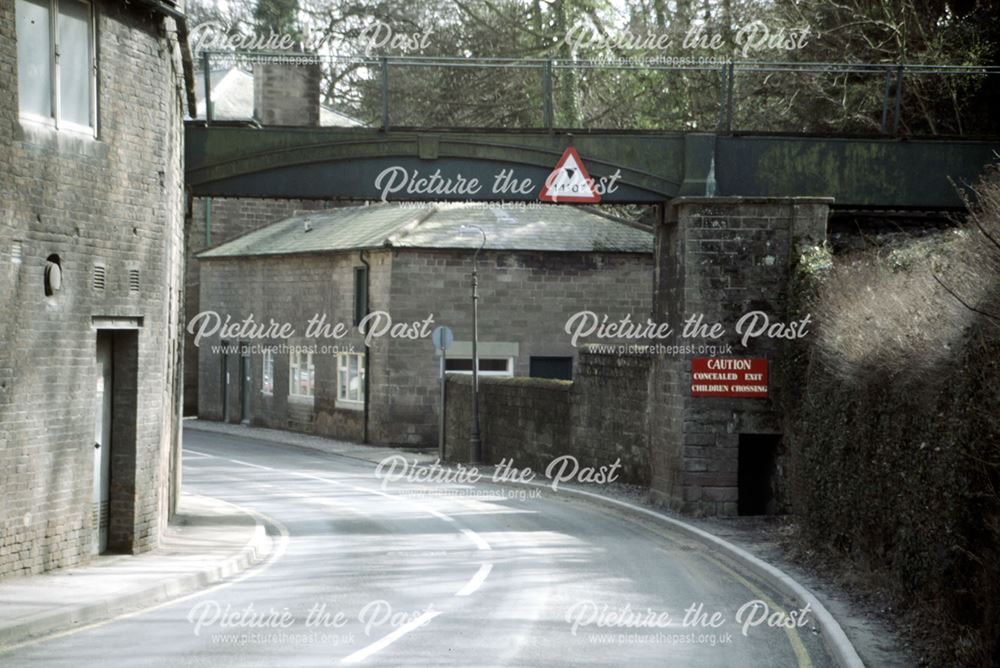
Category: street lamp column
<point>475,440</point>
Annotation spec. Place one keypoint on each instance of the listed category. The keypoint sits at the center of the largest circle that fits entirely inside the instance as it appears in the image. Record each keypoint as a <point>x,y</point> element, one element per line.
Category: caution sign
<point>728,377</point>
<point>570,182</point>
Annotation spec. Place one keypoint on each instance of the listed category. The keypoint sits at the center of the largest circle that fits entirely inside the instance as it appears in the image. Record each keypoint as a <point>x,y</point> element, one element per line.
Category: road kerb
<point>840,646</point>
<point>68,617</point>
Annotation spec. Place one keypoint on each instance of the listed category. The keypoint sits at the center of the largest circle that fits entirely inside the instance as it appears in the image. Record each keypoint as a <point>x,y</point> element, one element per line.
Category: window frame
<point>55,121</point>
<point>360,294</point>
<point>267,372</point>
<point>295,363</point>
<point>508,373</point>
<point>344,398</point>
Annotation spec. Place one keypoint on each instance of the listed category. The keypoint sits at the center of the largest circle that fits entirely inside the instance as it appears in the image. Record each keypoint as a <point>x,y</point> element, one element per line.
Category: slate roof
<point>556,228</point>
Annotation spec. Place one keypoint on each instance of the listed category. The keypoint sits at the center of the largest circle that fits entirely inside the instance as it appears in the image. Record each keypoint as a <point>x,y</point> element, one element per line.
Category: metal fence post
<point>547,120</point>
<point>729,96</point>
<point>885,103</point>
<point>385,93</point>
<point>722,99</point>
<point>899,99</point>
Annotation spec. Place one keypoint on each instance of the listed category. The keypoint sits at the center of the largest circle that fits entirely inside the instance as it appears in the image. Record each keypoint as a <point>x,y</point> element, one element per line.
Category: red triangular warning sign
<point>570,182</point>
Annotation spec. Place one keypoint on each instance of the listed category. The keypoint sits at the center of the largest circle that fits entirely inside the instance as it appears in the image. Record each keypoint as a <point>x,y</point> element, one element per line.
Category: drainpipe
<point>208,222</point>
<point>368,350</point>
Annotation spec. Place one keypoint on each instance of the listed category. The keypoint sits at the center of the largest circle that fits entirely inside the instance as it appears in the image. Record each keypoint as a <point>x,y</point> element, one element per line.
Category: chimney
<point>287,93</point>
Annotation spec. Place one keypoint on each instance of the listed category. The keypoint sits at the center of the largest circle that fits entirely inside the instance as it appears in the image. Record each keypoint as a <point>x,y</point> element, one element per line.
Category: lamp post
<point>475,442</point>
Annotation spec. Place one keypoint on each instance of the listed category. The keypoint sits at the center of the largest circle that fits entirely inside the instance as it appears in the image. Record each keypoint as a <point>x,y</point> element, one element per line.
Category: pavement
<point>210,540</point>
<point>358,451</point>
<point>426,573</point>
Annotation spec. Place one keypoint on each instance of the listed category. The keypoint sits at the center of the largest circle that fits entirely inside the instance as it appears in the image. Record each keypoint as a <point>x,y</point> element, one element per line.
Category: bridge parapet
<point>345,163</point>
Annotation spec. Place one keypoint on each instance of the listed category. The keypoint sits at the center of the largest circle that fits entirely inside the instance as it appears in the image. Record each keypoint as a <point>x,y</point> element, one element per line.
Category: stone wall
<point>527,420</point>
<point>611,409</point>
<point>113,202</point>
<point>599,417</point>
<point>215,220</point>
<point>721,257</point>
<point>526,298</point>
<point>287,94</point>
<point>288,289</point>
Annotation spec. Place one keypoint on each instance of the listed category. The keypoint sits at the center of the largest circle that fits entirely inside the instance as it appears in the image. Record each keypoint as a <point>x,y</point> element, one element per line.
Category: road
<point>437,574</point>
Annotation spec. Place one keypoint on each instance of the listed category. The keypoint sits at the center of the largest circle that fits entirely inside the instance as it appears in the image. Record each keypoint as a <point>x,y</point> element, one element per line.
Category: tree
<point>636,96</point>
<point>280,17</point>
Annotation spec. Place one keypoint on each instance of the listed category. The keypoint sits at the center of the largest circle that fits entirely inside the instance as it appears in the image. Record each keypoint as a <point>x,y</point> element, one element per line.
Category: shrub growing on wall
<point>895,438</point>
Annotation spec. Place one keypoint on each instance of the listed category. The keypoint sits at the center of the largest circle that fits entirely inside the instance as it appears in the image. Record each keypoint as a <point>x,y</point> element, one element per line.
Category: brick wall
<point>115,200</point>
<point>599,417</point>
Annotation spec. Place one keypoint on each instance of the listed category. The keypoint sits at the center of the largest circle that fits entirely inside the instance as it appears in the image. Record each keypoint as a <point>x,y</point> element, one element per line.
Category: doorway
<point>224,381</point>
<point>103,401</point>
<point>116,395</point>
<point>758,474</point>
<point>246,384</point>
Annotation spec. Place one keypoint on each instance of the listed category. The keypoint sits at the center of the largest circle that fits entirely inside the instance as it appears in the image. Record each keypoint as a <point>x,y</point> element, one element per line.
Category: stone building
<point>91,251</point>
<point>272,94</point>
<point>539,266</point>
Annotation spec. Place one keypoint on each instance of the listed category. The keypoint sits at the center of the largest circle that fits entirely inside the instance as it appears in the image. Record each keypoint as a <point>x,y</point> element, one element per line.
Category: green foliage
<point>815,260</point>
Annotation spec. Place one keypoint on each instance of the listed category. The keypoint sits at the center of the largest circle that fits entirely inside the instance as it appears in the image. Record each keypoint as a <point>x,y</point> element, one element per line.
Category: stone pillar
<point>287,93</point>
<point>721,257</point>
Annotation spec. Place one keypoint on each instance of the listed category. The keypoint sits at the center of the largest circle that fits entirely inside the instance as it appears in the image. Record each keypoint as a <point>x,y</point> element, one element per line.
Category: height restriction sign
<point>570,182</point>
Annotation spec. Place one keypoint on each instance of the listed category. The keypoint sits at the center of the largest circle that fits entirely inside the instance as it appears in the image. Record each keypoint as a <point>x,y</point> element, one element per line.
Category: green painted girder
<point>344,163</point>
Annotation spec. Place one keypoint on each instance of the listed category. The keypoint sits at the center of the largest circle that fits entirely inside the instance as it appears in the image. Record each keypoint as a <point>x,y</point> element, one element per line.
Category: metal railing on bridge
<point>664,94</point>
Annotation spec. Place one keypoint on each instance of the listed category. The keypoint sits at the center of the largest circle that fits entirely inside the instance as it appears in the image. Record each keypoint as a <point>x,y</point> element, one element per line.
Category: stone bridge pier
<point>722,257</point>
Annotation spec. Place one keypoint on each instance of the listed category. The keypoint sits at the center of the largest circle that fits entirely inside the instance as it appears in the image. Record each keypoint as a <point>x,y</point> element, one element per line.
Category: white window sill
<point>301,399</point>
<point>350,405</point>
<point>39,123</point>
<point>505,374</point>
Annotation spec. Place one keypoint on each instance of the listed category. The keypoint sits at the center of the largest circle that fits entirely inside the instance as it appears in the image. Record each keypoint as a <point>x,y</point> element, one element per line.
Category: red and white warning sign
<point>728,377</point>
<point>570,182</point>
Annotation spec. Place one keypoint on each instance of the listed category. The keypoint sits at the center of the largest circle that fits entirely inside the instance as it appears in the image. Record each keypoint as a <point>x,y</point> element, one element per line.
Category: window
<point>302,374</point>
<point>55,43</point>
<point>351,378</point>
<point>560,368</point>
<point>360,294</point>
<point>488,366</point>
<point>267,373</point>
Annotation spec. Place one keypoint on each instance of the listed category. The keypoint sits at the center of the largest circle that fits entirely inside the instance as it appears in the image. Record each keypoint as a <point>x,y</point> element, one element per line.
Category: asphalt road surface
<point>440,574</point>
